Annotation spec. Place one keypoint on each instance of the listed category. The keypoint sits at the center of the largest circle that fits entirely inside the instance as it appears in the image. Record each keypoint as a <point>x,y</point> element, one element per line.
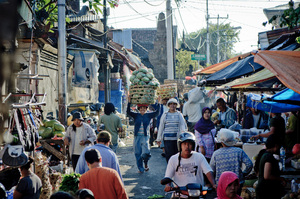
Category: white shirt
<point>190,171</point>
<point>255,120</point>
<point>78,137</point>
<point>193,111</point>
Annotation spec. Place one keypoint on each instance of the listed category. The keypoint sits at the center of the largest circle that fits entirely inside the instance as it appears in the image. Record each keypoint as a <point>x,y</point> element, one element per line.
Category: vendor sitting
<point>255,118</point>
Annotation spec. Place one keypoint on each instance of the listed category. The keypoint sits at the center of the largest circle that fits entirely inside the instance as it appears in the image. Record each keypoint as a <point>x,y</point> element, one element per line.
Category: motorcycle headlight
<point>194,192</point>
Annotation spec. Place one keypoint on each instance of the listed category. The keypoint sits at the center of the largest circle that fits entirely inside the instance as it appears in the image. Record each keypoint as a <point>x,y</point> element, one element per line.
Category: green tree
<point>183,63</point>
<point>228,36</point>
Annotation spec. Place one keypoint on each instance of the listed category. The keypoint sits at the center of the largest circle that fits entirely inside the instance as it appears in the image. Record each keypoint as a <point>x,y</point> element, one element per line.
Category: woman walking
<point>171,125</point>
<point>205,134</point>
<point>142,134</point>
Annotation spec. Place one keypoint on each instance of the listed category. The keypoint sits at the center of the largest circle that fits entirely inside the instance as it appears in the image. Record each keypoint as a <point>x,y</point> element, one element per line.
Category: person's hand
<point>159,99</point>
<point>158,143</point>
<point>255,137</point>
<point>66,142</point>
<point>82,142</point>
<point>167,188</point>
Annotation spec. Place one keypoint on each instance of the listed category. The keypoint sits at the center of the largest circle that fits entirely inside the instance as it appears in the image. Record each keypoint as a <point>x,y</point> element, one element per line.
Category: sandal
<point>147,168</point>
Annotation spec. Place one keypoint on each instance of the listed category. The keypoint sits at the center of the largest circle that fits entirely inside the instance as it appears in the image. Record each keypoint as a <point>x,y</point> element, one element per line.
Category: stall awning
<point>287,96</point>
<point>284,64</point>
<point>240,68</point>
<point>219,66</point>
<point>258,77</point>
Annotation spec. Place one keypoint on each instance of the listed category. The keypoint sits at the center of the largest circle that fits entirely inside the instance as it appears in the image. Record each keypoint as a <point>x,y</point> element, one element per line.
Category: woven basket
<point>142,94</point>
<point>167,90</point>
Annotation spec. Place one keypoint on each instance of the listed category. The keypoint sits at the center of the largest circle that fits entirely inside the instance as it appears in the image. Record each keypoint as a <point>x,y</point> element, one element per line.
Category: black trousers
<point>74,161</point>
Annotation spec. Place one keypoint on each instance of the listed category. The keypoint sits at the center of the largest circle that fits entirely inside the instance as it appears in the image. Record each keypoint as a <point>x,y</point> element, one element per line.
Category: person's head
<point>186,96</point>
<point>61,195</point>
<point>109,108</point>
<point>185,144</point>
<point>85,194</point>
<point>273,144</point>
<point>228,185</point>
<point>77,119</point>
<point>142,108</point>
<point>92,156</point>
<point>104,137</point>
<point>206,113</point>
<point>27,165</point>
<point>164,101</point>
<point>254,111</point>
<point>172,104</point>
<point>227,137</point>
<point>221,104</point>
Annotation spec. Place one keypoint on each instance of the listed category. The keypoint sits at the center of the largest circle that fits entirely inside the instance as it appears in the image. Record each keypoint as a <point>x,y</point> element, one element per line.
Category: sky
<point>190,16</point>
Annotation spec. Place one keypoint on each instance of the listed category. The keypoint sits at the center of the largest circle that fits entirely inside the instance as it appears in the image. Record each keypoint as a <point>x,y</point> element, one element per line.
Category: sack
<point>14,156</point>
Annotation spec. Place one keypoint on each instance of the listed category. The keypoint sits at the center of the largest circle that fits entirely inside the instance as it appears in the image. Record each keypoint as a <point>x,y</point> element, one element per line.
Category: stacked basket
<point>143,87</point>
<point>167,91</point>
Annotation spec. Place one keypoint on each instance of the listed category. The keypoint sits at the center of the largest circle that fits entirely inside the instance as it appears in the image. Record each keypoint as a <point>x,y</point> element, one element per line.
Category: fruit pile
<point>51,128</point>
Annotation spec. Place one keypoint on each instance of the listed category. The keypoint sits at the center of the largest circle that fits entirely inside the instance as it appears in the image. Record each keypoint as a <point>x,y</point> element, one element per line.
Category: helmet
<point>186,136</point>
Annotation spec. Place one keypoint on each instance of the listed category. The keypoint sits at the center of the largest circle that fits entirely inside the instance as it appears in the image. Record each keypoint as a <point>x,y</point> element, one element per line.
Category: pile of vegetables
<point>144,76</point>
<point>51,128</point>
<point>70,183</point>
<point>143,86</point>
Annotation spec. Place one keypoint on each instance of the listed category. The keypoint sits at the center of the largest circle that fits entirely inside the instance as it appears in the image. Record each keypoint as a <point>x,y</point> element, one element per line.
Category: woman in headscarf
<point>205,132</point>
<point>228,186</point>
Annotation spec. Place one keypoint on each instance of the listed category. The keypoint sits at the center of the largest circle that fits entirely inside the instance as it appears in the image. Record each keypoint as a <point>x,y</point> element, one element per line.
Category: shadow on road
<point>146,184</point>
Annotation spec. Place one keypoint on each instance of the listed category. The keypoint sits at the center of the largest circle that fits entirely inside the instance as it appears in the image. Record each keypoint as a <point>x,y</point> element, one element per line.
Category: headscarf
<point>226,178</point>
<point>204,126</point>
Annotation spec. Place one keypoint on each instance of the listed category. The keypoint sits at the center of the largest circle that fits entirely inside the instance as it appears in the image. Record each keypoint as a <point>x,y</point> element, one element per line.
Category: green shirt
<point>291,138</point>
<point>112,122</point>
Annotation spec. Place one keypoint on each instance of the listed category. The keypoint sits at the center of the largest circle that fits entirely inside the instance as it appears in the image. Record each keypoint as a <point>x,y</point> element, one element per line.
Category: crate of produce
<point>142,94</point>
<point>167,90</point>
<point>296,163</point>
<point>179,82</point>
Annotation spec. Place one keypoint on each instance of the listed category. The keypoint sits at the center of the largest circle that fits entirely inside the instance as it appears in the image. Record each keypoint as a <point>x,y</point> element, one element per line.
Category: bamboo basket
<point>167,90</point>
<point>142,94</point>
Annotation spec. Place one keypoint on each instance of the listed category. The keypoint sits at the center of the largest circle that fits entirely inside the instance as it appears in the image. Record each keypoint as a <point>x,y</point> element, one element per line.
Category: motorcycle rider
<point>188,166</point>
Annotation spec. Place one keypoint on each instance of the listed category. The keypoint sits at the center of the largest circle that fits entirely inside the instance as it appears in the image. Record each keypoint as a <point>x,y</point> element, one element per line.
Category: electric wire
<point>153,4</point>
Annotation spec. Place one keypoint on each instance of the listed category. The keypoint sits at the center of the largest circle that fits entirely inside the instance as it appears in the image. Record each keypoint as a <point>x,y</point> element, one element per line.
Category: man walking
<point>103,182</point>
<point>109,158</point>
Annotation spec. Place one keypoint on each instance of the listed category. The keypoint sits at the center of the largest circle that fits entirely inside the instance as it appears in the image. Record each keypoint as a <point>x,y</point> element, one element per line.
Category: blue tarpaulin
<point>242,67</point>
<point>284,101</point>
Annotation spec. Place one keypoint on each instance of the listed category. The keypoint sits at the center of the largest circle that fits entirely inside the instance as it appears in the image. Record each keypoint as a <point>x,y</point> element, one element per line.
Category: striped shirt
<point>141,130</point>
<point>171,126</point>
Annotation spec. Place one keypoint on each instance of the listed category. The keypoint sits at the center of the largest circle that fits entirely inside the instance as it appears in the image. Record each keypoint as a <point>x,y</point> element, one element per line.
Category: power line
<point>155,5</point>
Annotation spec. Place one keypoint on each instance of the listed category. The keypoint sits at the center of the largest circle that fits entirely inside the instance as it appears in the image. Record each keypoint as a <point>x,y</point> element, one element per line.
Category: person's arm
<point>268,172</point>
<point>81,166</point>
<point>182,123</point>
<point>248,163</point>
<point>160,129</point>
<point>17,195</point>
<point>91,135</point>
<point>82,183</point>
<point>211,179</point>
<point>265,135</point>
<point>67,136</point>
<point>170,172</point>
<point>119,187</point>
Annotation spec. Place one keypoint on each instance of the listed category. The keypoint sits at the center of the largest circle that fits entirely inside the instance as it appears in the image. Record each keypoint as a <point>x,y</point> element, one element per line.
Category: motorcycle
<point>191,190</point>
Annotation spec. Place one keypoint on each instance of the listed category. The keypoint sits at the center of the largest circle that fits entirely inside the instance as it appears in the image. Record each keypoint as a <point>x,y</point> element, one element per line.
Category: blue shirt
<point>109,159</point>
<point>230,159</point>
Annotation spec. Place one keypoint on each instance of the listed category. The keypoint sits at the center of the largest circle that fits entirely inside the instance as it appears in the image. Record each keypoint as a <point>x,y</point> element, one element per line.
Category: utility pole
<point>207,35</point>
<point>218,33</point>
<point>62,62</point>
<point>105,65</point>
<point>170,64</point>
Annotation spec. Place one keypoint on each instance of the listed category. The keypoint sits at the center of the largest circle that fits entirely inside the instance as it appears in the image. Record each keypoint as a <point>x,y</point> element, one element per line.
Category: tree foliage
<point>184,63</point>
<point>228,36</point>
<point>289,18</point>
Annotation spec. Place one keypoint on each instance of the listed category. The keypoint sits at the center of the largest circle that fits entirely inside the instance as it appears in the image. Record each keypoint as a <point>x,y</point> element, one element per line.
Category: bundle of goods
<point>167,91</point>
<point>143,86</point>
<point>55,180</point>
<point>51,128</point>
<point>42,171</point>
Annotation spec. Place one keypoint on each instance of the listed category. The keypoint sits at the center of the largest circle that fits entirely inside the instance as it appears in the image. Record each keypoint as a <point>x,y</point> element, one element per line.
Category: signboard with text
<point>198,57</point>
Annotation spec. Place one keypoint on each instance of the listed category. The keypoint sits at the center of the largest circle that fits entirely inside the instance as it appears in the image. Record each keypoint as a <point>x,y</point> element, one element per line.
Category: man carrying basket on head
<point>142,133</point>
